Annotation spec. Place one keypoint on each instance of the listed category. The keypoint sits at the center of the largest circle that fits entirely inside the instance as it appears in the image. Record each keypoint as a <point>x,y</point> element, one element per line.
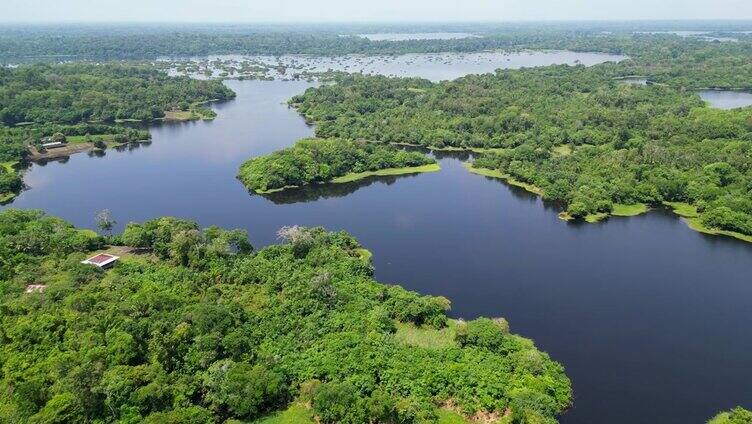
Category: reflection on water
<point>312,193</point>
<point>641,311</point>
<point>727,99</point>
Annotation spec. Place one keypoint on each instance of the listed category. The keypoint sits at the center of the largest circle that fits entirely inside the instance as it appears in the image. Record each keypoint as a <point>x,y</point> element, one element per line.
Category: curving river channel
<point>651,319</point>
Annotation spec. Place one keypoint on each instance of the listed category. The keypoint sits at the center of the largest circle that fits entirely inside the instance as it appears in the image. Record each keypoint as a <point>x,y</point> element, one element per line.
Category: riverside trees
<point>580,135</point>
<point>204,330</point>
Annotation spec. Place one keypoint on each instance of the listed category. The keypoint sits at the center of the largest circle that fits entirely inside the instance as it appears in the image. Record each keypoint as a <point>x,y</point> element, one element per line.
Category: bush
<point>482,332</point>
<point>244,390</point>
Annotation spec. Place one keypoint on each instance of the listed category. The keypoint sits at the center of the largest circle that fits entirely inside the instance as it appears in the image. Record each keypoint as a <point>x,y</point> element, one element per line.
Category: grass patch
<point>180,115</point>
<point>596,217</point>
<point>364,254</point>
<point>80,139</point>
<point>7,197</point>
<point>451,417</point>
<point>629,210</point>
<point>692,218</point>
<point>495,173</point>
<point>682,209</point>
<point>427,337</point>
<point>9,166</point>
<point>433,167</point>
<point>618,210</point>
<point>193,114</point>
<point>296,413</point>
<point>563,150</point>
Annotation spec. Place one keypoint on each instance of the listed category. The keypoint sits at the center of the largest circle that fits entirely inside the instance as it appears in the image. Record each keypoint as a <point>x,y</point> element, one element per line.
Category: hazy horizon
<point>384,11</point>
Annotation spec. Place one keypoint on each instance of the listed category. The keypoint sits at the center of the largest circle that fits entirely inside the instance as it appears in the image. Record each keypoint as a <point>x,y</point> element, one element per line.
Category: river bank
<point>688,212</point>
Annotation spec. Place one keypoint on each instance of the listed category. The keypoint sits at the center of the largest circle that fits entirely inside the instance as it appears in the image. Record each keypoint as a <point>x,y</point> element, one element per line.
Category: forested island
<point>193,326</point>
<point>315,161</point>
<point>85,106</point>
<point>578,135</point>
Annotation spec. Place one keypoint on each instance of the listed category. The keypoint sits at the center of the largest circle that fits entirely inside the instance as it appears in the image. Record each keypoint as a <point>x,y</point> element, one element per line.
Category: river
<point>650,319</point>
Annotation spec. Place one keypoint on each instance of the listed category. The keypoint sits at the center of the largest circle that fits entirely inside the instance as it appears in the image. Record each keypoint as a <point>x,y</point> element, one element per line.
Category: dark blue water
<point>652,320</point>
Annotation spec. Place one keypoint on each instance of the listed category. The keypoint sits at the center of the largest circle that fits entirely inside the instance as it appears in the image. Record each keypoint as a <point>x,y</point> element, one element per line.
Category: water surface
<point>727,99</point>
<point>435,67</point>
<point>393,36</point>
<point>652,320</point>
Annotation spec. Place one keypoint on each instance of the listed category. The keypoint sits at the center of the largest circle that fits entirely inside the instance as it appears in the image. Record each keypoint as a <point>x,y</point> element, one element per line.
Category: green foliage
<point>181,241</point>
<point>67,101</point>
<point>76,92</point>
<point>624,144</point>
<point>737,415</point>
<point>242,390</point>
<point>313,161</point>
<point>238,334</point>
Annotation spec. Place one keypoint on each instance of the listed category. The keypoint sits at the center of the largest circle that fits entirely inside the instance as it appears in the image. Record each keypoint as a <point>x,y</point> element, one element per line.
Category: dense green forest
<point>735,416</point>
<point>579,135</point>
<point>52,42</point>
<point>196,327</point>
<point>316,161</point>
<point>74,93</point>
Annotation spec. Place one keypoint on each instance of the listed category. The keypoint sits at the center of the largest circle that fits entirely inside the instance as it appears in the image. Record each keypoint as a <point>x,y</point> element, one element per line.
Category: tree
<point>59,138</point>
<point>242,389</point>
<point>105,222</point>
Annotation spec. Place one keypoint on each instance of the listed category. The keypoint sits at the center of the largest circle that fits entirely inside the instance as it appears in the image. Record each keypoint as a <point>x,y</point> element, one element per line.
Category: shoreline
<point>73,148</point>
<point>347,178</point>
<point>688,213</point>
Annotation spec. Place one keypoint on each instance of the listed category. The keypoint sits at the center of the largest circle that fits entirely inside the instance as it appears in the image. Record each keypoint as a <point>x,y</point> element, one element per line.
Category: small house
<point>53,145</point>
<point>102,260</point>
<point>52,142</point>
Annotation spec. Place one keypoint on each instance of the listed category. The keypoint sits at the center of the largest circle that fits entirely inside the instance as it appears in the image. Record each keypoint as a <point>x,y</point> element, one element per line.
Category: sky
<point>366,11</point>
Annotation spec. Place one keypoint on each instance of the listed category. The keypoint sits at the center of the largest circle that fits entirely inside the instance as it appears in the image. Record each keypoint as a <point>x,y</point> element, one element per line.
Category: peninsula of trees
<point>312,161</point>
<point>195,327</point>
<point>579,136</point>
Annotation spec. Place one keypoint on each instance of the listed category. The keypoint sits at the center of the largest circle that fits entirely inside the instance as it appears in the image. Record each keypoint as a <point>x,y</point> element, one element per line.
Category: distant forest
<point>55,42</point>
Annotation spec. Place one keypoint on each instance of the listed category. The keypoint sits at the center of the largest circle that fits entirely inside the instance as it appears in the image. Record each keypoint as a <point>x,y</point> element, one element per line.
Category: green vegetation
<point>432,167</point>
<point>573,134</point>
<point>82,103</point>
<point>495,173</point>
<point>427,337</point>
<point>196,327</point>
<point>451,417</point>
<point>735,416</point>
<point>695,221</point>
<point>296,413</point>
<point>10,181</point>
<point>313,161</point>
<point>76,93</point>
<point>629,210</point>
